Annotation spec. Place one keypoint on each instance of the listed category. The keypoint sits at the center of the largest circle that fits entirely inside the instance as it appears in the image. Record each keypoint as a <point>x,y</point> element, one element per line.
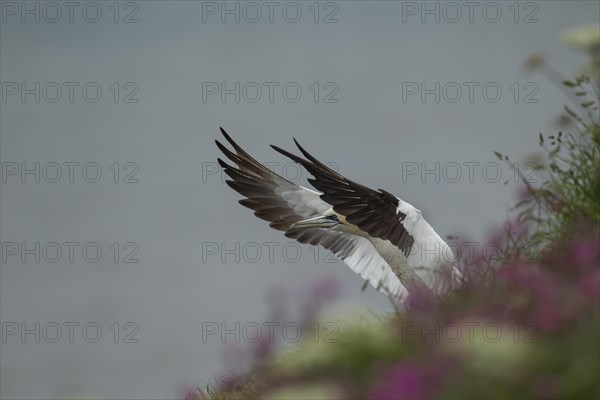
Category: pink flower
<point>590,287</point>
<point>547,317</point>
<point>408,381</point>
<point>521,275</point>
<point>263,347</point>
<point>420,299</point>
<point>545,307</point>
<point>585,253</point>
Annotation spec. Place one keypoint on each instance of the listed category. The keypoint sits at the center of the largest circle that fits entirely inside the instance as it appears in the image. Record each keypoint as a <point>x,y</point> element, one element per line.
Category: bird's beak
<point>317,222</point>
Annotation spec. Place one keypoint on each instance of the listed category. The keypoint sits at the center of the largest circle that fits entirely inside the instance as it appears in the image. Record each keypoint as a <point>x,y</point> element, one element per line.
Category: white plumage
<point>379,236</point>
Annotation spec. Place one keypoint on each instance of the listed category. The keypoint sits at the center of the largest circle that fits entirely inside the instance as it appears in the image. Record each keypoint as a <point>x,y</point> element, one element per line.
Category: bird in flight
<point>379,236</point>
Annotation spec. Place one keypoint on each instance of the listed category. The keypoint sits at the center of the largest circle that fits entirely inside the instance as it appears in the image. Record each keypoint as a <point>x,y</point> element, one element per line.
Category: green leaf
<point>586,104</point>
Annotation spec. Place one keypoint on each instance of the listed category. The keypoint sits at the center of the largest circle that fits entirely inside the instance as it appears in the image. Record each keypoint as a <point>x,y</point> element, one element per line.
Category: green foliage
<point>548,309</point>
<point>570,192</point>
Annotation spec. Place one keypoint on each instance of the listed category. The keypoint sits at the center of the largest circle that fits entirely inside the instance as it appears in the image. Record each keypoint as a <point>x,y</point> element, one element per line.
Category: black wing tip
<point>226,151</point>
<point>225,134</point>
<point>310,157</point>
<point>302,149</point>
<point>229,139</point>
<point>277,148</point>
<point>220,145</point>
<point>223,164</point>
<point>282,151</point>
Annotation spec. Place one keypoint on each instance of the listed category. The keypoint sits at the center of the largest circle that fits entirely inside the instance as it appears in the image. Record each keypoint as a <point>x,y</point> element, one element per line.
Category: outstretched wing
<point>376,212</point>
<point>358,253</point>
<point>271,196</point>
<point>282,203</point>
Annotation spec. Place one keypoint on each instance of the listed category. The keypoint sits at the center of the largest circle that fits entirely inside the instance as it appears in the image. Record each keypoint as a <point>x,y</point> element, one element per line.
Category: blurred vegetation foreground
<point>526,326</point>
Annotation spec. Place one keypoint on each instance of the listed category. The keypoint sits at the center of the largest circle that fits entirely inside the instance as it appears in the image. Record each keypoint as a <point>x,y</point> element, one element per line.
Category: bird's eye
<point>334,218</point>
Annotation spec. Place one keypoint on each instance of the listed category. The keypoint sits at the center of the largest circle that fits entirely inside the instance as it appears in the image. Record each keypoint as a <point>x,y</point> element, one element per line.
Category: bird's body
<point>379,236</point>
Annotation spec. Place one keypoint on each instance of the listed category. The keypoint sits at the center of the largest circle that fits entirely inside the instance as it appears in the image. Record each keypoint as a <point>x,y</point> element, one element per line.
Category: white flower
<point>584,37</point>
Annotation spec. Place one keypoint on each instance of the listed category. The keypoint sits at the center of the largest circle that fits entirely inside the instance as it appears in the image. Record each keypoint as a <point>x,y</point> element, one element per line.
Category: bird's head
<point>329,220</point>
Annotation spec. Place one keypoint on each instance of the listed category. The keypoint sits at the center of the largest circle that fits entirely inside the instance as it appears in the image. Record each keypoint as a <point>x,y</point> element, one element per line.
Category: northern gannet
<point>379,236</point>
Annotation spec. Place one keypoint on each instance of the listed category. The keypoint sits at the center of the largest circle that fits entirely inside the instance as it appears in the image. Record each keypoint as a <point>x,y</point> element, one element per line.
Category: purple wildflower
<point>407,381</point>
<point>590,287</point>
<point>420,299</point>
<point>263,347</point>
<point>585,253</point>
